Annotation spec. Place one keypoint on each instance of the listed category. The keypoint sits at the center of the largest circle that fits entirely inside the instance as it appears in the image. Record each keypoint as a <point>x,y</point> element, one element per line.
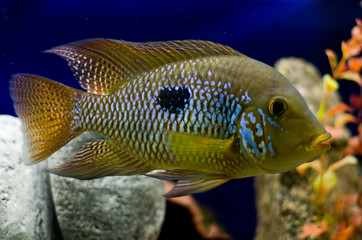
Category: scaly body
<point>201,111</point>
<point>134,118</point>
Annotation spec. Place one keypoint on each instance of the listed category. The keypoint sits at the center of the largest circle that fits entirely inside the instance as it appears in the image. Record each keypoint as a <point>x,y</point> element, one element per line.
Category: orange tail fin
<point>48,113</point>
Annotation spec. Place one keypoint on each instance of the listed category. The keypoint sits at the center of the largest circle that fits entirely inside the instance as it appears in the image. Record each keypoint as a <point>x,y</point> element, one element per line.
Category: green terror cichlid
<point>201,112</point>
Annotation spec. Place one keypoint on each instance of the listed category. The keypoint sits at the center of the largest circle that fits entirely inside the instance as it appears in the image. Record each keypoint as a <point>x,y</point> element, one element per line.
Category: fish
<point>191,111</point>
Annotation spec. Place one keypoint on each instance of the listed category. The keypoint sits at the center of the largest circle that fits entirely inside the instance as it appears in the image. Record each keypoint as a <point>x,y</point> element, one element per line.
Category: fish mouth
<point>318,142</point>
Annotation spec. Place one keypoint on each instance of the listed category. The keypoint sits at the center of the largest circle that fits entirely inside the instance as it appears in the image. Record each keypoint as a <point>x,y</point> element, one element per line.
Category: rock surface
<point>25,198</point>
<point>107,208</point>
<point>121,207</point>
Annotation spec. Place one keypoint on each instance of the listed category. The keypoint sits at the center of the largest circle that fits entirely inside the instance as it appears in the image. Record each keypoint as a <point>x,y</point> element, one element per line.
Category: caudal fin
<point>47,112</point>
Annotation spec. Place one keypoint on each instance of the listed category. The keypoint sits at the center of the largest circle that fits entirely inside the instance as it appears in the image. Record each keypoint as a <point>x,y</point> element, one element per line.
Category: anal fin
<point>176,174</point>
<point>194,185</point>
<point>99,158</point>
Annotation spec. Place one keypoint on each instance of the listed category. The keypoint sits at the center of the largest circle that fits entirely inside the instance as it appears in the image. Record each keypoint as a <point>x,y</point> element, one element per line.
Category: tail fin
<point>48,113</point>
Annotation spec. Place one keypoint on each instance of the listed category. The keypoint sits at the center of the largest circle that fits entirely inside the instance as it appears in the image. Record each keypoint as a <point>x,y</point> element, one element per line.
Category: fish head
<point>278,131</point>
<point>294,134</point>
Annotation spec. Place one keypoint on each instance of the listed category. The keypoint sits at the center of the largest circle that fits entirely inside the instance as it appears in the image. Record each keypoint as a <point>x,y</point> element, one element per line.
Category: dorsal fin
<point>102,65</point>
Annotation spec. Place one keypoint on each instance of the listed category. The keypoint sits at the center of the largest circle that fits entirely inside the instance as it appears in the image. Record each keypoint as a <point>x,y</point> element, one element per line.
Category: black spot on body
<point>173,98</point>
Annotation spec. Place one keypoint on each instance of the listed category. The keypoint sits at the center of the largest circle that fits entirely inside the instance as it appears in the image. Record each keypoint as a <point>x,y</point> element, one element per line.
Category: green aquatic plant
<point>346,219</point>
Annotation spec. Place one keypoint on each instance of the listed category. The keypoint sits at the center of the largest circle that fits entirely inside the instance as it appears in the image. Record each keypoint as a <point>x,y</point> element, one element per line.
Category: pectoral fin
<point>191,186</point>
<point>99,158</point>
<point>191,148</point>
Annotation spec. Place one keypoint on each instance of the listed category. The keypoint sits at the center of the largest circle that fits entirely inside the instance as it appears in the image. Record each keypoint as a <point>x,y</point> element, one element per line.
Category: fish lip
<point>318,142</point>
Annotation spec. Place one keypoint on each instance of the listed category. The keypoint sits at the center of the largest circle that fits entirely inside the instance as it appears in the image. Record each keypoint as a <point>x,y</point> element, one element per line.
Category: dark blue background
<point>265,30</point>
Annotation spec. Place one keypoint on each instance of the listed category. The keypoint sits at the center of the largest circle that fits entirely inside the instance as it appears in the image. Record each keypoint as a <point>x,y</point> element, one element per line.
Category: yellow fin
<point>99,158</point>
<point>192,148</point>
<point>46,111</point>
<point>102,65</point>
<point>190,186</point>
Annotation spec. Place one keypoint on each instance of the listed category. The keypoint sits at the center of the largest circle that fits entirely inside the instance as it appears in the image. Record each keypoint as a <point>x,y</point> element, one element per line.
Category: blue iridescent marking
<point>234,116</point>
<point>221,98</point>
<point>232,129</point>
<point>220,118</point>
<point>232,104</point>
<point>248,99</point>
<point>251,117</point>
<point>259,130</point>
<point>262,115</point>
<point>209,96</point>
<point>248,138</point>
<point>270,147</point>
<point>272,153</point>
<point>236,113</point>
<point>274,123</point>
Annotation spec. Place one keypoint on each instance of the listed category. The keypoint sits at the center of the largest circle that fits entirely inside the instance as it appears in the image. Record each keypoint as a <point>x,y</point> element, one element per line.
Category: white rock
<point>25,198</point>
<point>106,208</point>
<point>119,207</point>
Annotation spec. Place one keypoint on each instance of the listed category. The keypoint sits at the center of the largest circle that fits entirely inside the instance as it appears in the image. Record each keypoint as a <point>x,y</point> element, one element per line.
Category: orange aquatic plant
<point>346,220</point>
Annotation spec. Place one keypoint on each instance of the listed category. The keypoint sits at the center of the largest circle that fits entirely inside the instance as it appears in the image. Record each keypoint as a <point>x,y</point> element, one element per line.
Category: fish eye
<point>277,107</point>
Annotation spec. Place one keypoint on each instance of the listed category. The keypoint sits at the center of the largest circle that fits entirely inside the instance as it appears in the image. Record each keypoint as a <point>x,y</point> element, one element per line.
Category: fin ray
<point>170,175</point>
<point>97,159</point>
<point>46,110</point>
<point>191,186</point>
<point>102,65</point>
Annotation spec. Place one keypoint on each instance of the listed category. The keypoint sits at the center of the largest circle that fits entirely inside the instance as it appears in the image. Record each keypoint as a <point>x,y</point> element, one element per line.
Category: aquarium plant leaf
<point>343,119</point>
<point>350,75</point>
<point>332,58</point>
<point>313,230</point>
